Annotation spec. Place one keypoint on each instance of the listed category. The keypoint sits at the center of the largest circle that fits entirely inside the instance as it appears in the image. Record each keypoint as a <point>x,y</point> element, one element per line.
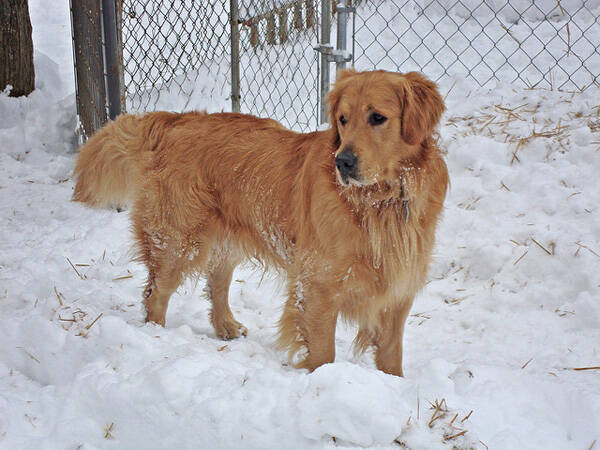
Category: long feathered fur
<point>210,190</point>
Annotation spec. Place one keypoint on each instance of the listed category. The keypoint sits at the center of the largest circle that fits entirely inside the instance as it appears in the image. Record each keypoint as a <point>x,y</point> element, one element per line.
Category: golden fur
<point>211,190</point>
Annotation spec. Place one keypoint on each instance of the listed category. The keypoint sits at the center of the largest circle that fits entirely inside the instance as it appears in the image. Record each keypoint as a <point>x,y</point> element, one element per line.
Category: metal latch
<point>333,55</point>
<point>344,9</point>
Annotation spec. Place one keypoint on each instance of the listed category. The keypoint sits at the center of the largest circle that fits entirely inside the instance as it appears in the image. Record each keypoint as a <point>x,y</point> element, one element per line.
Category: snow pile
<point>511,309</point>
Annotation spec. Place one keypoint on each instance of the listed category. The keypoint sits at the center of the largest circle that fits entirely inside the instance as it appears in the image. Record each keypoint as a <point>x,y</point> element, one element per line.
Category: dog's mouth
<point>356,179</point>
<point>348,179</point>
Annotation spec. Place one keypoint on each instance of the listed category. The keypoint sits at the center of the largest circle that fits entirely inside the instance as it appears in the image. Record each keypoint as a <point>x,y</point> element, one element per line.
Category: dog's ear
<point>422,106</point>
<point>333,98</point>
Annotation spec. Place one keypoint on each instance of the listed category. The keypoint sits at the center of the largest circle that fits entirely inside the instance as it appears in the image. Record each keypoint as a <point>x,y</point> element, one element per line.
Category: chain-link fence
<point>176,53</point>
<point>279,72</point>
<point>537,44</point>
<point>262,57</point>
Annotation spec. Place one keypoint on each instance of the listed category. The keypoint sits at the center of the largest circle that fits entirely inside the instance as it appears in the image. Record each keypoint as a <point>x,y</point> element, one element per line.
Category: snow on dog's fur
<point>349,214</point>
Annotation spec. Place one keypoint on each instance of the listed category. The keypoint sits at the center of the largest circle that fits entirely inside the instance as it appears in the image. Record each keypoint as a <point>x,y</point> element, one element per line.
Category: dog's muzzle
<point>347,164</point>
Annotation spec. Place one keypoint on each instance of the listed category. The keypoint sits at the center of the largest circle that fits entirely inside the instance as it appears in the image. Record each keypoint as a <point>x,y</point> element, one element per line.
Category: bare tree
<point>16,48</point>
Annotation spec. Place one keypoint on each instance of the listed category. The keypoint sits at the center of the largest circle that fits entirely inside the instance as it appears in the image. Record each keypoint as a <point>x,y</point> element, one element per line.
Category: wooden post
<point>310,13</point>
<point>283,29</point>
<point>271,28</point>
<point>253,32</point>
<point>298,25</point>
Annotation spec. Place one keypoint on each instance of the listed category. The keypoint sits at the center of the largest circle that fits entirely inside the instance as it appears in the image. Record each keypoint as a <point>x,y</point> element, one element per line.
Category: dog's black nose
<point>346,163</point>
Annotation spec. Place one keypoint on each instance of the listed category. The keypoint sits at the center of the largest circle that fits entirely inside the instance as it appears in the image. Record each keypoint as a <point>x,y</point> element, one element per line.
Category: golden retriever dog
<point>348,214</point>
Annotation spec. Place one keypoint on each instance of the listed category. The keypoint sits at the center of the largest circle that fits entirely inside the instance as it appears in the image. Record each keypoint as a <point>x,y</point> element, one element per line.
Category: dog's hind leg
<point>218,279</point>
<point>165,274</point>
<point>168,262</point>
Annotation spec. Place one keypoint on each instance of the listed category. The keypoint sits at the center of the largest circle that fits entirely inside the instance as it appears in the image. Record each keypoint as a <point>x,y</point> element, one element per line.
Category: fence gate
<point>279,67</point>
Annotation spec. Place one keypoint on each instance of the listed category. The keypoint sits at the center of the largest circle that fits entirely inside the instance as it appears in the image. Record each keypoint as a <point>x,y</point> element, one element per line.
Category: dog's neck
<point>378,195</point>
<point>384,212</point>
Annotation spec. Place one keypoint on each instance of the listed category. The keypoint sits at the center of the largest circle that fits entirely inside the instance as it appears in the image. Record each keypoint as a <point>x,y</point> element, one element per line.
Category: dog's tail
<point>109,167</point>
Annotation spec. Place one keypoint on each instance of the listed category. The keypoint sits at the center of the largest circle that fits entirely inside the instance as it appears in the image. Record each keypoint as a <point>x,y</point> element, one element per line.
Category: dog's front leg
<point>388,336</point>
<point>307,326</point>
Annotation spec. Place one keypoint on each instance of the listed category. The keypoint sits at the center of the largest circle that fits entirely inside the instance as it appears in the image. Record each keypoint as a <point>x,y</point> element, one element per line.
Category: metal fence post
<point>342,20</point>
<point>325,39</point>
<point>235,55</point>
<point>119,5</point>
<point>111,58</point>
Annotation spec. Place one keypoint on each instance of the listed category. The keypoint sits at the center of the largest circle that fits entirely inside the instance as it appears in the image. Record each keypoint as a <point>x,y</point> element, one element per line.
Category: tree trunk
<point>16,48</point>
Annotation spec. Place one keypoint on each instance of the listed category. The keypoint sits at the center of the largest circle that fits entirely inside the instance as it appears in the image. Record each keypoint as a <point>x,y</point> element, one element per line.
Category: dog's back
<point>115,162</point>
<point>239,173</point>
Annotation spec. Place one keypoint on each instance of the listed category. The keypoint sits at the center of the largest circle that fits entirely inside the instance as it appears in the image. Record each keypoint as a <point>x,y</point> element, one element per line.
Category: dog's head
<point>382,119</point>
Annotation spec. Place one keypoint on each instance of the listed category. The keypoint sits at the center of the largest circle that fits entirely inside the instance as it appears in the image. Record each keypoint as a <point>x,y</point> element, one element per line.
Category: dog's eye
<point>343,121</point>
<point>376,119</point>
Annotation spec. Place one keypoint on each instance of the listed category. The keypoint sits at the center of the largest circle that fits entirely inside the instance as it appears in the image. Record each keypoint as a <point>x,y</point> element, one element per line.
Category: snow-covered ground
<point>511,311</point>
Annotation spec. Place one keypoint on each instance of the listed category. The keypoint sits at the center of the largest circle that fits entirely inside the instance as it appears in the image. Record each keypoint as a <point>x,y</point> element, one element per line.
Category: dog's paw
<point>158,319</point>
<point>299,358</point>
<point>230,329</point>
